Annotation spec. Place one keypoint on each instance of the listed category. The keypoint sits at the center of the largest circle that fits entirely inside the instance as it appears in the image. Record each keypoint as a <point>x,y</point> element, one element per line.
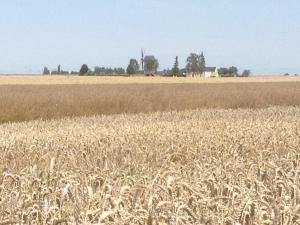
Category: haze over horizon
<point>260,35</point>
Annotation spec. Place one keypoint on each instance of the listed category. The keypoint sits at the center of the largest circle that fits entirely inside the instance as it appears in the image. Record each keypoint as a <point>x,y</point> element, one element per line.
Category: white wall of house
<point>206,74</point>
<point>211,74</point>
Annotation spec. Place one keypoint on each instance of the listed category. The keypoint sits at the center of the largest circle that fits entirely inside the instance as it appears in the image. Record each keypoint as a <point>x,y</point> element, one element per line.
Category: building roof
<point>210,69</point>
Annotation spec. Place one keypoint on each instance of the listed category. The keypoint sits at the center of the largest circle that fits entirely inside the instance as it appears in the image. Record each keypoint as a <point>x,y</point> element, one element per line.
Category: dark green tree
<point>223,71</point>
<point>202,63</point>
<point>133,67</point>
<point>246,73</point>
<point>83,70</point>
<point>46,71</point>
<point>233,71</point>
<point>150,65</point>
<point>228,72</point>
<point>175,69</point>
<point>193,64</point>
<point>58,69</point>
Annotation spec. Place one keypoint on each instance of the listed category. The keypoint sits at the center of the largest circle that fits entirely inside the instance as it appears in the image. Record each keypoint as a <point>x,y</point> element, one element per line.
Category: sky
<point>260,35</point>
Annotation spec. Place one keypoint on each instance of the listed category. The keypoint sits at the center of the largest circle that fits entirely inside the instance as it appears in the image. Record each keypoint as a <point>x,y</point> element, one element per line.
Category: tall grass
<point>29,102</point>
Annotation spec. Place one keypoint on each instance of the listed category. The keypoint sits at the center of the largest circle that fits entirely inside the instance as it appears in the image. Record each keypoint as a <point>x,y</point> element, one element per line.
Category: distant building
<point>208,72</point>
<point>211,72</point>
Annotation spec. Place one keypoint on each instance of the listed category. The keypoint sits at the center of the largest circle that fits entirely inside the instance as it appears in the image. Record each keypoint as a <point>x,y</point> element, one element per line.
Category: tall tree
<point>150,64</point>
<point>193,64</point>
<point>175,69</point>
<point>142,60</point>
<point>84,69</point>
<point>246,73</point>
<point>202,63</point>
<point>233,71</point>
<point>46,71</point>
<point>133,66</point>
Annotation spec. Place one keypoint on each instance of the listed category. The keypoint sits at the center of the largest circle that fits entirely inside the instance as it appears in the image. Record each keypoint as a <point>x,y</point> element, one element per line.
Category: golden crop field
<point>29,102</point>
<point>153,150</point>
<point>58,79</point>
<point>213,166</point>
<point>132,112</point>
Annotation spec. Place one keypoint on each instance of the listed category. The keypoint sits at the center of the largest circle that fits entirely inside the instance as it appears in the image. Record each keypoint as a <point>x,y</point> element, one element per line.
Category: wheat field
<point>30,102</point>
<point>212,166</point>
<point>140,79</point>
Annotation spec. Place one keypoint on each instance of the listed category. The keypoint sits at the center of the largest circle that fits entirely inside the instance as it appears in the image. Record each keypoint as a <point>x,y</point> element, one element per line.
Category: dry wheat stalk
<point>193,167</point>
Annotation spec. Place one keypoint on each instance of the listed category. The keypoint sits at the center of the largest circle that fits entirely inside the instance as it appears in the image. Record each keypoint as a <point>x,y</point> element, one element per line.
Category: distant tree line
<point>150,66</point>
<point>84,70</point>
<point>287,74</point>
<point>98,71</point>
<point>228,72</point>
<point>233,72</point>
<point>109,71</point>
<point>195,65</point>
<point>59,71</point>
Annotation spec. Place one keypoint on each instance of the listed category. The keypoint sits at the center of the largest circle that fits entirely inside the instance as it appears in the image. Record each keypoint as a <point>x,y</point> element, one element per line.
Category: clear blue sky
<point>262,35</point>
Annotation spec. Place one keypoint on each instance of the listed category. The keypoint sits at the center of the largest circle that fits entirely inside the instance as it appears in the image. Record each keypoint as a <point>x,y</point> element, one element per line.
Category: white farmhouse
<point>208,72</point>
<point>211,72</point>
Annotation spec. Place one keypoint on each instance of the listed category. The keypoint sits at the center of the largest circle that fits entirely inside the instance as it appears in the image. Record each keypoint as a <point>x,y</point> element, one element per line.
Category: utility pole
<point>142,60</point>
